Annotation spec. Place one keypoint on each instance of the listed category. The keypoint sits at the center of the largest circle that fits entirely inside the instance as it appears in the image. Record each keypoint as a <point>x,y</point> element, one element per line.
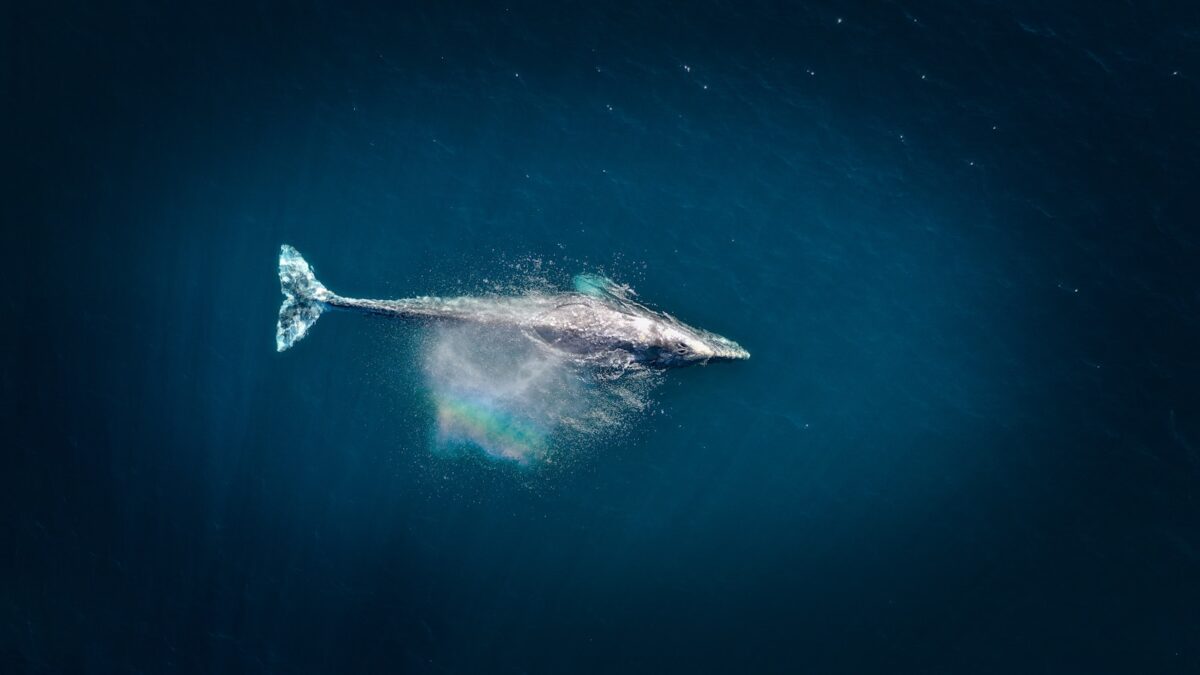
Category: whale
<point>597,322</point>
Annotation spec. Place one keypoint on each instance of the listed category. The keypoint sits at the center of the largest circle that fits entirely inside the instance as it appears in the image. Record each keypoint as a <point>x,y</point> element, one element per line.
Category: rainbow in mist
<point>478,421</point>
<point>497,393</point>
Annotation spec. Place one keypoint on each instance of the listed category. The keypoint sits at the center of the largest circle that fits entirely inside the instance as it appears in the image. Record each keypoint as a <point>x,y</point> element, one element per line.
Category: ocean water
<point>959,239</point>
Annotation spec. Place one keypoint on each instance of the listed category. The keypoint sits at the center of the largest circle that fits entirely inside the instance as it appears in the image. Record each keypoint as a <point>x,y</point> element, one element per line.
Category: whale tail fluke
<point>304,298</point>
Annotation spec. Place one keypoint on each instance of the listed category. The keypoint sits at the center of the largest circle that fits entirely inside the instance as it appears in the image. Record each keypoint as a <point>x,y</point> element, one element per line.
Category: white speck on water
<point>924,77</point>
<point>609,106</point>
<point>839,19</point>
<point>687,68</point>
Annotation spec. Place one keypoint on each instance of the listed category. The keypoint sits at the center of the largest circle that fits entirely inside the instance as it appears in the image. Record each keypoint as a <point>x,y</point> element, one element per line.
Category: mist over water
<point>500,392</point>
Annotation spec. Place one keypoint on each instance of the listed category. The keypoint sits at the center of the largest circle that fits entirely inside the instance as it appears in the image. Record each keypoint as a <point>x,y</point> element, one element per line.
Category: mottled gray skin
<point>601,325</point>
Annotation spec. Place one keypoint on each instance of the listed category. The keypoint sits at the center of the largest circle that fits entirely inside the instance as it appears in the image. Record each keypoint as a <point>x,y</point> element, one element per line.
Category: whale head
<point>658,339</point>
<point>682,345</point>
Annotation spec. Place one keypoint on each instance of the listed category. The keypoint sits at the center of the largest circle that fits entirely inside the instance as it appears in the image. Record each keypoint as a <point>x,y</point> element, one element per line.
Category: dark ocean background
<point>960,239</point>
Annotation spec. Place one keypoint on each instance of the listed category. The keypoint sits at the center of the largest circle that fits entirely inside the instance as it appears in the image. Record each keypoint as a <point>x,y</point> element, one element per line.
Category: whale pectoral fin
<point>533,336</point>
<point>613,364</point>
<point>602,287</point>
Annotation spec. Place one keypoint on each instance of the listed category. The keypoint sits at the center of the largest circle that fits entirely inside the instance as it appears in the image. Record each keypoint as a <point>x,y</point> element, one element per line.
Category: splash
<point>502,393</point>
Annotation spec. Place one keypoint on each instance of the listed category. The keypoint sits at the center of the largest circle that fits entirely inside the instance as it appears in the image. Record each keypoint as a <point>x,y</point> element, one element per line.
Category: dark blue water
<point>959,238</point>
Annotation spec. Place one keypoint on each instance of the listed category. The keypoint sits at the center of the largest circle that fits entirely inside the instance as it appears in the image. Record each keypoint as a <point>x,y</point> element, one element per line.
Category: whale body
<point>597,322</point>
